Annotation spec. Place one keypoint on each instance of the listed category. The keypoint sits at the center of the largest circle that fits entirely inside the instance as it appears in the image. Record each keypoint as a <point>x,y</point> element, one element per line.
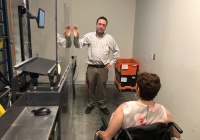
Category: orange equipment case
<point>118,84</point>
<point>127,66</point>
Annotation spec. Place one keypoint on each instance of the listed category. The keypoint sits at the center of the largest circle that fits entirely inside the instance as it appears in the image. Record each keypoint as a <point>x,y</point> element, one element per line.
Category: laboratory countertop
<point>30,127</point>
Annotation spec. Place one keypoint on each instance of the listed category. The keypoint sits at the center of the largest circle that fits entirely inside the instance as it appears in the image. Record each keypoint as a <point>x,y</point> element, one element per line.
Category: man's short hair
<point>102,17</point>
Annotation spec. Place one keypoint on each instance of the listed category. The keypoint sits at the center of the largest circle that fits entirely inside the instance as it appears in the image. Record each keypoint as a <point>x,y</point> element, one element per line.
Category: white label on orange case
<point>124,66</point>
<point>123,79</point>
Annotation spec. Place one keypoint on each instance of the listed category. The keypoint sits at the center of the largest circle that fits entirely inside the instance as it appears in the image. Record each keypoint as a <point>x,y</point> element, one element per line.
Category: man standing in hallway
<point>99,46</point>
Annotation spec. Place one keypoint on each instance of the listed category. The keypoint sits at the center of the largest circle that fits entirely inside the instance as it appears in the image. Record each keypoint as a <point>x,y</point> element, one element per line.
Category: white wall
<point>120,15</point>
<point>171,30</point>
<point>43,40</point>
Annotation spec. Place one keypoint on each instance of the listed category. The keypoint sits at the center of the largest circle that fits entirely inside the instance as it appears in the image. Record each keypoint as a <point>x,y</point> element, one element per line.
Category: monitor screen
<point>41,18</point>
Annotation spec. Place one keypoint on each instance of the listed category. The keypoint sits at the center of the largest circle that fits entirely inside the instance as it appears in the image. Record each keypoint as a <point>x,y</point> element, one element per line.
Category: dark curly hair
<point>149,85</point>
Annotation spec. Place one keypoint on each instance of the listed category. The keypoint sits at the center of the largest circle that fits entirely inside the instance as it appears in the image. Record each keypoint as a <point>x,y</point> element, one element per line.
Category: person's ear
<point>137,87</point>
<point>138,91</point>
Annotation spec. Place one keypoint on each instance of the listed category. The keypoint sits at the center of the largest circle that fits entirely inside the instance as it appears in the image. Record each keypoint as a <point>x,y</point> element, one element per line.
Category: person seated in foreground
<point>142,112</point>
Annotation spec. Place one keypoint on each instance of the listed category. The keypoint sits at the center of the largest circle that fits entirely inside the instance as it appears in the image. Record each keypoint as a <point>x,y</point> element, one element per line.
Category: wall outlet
<point>153,56</point>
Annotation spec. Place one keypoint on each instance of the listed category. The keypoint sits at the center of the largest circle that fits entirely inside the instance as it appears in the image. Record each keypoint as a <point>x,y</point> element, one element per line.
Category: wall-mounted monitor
<point>41,18</point>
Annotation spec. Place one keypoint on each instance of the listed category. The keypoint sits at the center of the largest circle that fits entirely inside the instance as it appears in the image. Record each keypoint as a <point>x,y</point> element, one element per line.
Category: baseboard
<point>83,82</point>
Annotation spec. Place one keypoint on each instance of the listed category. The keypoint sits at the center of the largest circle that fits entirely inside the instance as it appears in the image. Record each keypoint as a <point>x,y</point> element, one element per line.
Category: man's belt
<point>97,66</point>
